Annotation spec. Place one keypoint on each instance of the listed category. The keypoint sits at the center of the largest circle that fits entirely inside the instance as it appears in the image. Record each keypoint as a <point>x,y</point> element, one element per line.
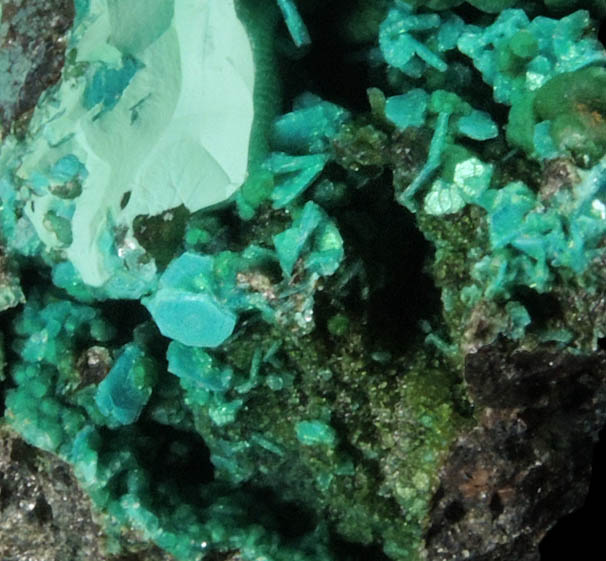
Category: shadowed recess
<point>394,252</point>
<point>332,69</point>
<point>580,532</point>
<point>348,551</point>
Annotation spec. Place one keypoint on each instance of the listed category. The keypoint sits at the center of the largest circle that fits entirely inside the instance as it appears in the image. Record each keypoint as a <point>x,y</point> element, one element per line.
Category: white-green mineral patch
<point>154,110</point>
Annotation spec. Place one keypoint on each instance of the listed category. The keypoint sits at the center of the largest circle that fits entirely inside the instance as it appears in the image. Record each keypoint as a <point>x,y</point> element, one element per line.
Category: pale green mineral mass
<point>155,110</point>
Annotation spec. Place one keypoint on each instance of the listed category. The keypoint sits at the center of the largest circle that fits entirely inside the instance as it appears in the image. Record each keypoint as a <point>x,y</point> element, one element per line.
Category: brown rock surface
<point>528,461</point>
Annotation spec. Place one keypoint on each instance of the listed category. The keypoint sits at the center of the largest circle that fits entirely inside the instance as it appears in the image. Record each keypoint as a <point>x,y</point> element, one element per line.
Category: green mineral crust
<point>284,337</point>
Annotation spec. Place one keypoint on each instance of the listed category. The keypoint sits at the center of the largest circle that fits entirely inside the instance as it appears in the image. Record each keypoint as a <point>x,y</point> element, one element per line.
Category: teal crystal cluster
<point>246,328</point>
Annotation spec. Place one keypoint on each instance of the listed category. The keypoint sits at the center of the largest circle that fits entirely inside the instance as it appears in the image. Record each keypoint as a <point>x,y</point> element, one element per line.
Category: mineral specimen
<point>350,331</point>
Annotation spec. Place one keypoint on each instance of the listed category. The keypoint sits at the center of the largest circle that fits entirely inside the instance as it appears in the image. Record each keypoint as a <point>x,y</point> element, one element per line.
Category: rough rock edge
<point>44,515</point>
<point>528,461</point>
<point>32,37</point>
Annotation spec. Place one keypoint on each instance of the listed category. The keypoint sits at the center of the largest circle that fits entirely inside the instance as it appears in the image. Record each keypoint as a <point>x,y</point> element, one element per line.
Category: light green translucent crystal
<point>186,307</point>
<point>306,134</point>
<point>478,125</point>
<point>407,110</point>
<point>295,24</point>
<point>122,395</point>
<point>157,108</point>
<point>401,38</point>
<point>470,179</point>
<point>312,433</point>
<point>198,366</point>
<point>313,230</point>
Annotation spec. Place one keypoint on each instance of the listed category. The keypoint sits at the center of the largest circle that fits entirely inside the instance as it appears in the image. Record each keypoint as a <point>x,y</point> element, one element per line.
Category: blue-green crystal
<point>313,433</point>
<point>184,306</point>
<point>126,389</point>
